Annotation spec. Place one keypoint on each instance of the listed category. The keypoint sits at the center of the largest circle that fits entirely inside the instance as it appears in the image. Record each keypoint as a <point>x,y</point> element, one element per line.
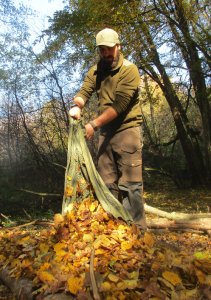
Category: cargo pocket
<point>131,164</point>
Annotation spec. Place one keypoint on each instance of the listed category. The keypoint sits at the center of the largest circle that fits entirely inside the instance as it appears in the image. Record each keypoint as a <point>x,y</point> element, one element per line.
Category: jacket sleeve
<point>129,81</point>
<point>88,86</point>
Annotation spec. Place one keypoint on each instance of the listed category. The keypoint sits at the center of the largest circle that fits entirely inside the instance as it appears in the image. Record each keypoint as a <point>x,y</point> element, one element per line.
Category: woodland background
<point>168,40</point>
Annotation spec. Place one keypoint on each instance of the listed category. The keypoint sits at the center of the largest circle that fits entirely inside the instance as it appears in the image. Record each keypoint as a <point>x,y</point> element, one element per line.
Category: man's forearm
<point>79,101</point>
<point>106,117</point>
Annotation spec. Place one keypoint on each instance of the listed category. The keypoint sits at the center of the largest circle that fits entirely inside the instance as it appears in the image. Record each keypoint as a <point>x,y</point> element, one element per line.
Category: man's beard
<point>109,65</point>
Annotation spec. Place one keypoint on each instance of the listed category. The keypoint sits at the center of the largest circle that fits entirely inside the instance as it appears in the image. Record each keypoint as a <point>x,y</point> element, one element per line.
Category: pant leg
<point>128,146</point>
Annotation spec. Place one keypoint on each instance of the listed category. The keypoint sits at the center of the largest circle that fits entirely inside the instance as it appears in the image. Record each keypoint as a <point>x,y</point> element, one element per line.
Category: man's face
<point>109,56</point>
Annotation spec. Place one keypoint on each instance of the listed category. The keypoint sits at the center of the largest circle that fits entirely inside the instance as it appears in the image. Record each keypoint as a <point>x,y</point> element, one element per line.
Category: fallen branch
<point>173,216</point>
<point>199,224</point>
<point>161,231</point>
<point>20,226</point>
<point>23,288</point>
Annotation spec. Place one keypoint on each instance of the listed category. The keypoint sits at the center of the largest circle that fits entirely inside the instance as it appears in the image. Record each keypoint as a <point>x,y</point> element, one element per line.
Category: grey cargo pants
<point>120,166</point>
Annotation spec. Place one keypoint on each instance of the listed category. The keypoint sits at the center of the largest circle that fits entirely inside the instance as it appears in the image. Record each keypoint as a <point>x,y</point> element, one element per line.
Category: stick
<point>6,218</point>
<point>92,276</point>
<point>26,213</point>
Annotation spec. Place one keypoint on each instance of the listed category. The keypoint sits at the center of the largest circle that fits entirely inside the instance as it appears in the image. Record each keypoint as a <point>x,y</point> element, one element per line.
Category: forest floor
<point>167,198</point>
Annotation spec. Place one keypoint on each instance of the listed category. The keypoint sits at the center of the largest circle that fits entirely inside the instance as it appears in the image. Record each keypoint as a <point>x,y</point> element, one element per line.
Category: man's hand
<point>75,112</point>
<point>89,131</point>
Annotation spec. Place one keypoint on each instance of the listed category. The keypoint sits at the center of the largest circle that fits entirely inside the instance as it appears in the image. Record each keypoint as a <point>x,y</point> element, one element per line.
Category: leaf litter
<point>126,265</point>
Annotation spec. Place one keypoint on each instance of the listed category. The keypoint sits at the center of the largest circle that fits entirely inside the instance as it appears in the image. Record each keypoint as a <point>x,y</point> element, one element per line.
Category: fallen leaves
<point>126,266</point>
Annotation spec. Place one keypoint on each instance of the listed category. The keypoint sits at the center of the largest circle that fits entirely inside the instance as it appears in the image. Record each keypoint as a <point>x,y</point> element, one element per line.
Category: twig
<point>6,218</point>
<point>92,276</point>
<point>27,191</point>
<point>46,223</point>
<point>26,213</point>
<point>20,226</point>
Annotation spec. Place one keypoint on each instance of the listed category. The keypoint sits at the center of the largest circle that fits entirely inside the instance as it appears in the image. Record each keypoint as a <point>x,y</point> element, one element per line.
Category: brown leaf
<point>154,290</point>
<point>134,228</point>
<point>81,295</point>
<point>62,233</point>
<point>79,190</point>
<point>77,226</point>
<point>54,287</point>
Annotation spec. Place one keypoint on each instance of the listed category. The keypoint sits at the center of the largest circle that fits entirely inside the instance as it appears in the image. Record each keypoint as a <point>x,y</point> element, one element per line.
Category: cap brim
<point>106,44</point>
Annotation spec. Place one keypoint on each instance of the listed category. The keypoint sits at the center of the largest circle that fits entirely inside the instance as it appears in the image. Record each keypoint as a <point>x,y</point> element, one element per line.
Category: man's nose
<point>106,51</point>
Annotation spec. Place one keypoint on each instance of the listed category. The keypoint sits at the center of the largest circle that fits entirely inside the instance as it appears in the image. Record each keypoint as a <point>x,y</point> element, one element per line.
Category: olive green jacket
<point>116,88</point>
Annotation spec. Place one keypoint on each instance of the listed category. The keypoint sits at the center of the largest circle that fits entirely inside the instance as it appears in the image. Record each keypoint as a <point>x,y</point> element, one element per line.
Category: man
<point>116,82</point>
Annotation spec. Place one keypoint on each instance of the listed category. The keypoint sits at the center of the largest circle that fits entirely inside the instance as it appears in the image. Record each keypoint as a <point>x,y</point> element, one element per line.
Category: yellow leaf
<point>125,245</point>
<point>26,263</point>
<point>15,263</point>
<point>134,275</point>
<point>92,207</point>
<point>105,286</point>
<point>69,178</point>
<point>191,293</point>
<point>171,277</point>
<point>113,277</point>
<point>127,284</point>
<point>88,237</point>
<point>25,239</point>
<point>43,248</point>
<point>58,247</point>
<point>69,191</point>
<point>183,253</point>
<point>2,257</point>
<point>148,240</point>
<point>99,251</point>
<point>201,276</point>
<point>45,276</point>
<point>121,296</point>
<point>160,256</point>
<point>40,290</point>
<point>208,279</point>
<point>74,284</point>
<point>44,267</point>
<point>131,284</point>
<point>17,276</point>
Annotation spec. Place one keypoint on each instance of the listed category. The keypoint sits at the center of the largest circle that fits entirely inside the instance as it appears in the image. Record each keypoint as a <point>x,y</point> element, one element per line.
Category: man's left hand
<point>89,131</point>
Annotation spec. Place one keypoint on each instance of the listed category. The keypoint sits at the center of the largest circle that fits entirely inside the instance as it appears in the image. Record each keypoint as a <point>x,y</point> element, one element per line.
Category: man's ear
<point>119,46</point>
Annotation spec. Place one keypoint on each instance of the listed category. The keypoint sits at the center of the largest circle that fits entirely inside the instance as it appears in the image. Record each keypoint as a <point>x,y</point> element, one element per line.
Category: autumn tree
<point>160,38</point>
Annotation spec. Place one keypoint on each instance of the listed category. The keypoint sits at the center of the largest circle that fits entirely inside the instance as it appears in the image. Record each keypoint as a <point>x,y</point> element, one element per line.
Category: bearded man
<point>116,82</point>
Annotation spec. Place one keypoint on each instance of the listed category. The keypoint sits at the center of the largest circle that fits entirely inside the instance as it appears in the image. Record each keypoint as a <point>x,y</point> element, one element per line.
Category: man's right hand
<point>75,112</point>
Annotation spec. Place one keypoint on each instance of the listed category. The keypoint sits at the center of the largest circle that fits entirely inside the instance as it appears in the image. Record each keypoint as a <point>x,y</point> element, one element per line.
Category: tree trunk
<point>194,64</point>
